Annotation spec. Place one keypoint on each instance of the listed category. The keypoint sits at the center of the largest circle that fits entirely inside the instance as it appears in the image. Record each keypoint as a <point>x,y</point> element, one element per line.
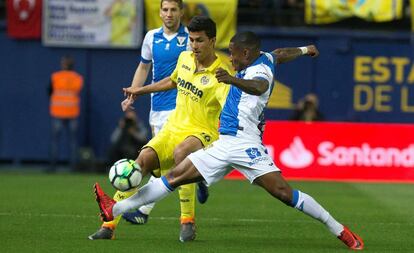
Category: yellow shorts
<point>168,139</point>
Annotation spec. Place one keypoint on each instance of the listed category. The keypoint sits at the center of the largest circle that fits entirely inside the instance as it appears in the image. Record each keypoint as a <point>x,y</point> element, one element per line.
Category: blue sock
<point>165,181</point>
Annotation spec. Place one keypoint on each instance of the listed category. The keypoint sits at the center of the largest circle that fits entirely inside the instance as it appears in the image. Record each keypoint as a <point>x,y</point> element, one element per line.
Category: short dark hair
<point>203,23</point>
<point>179,2</point>
<point>246,40</point>
<point>68,61</point>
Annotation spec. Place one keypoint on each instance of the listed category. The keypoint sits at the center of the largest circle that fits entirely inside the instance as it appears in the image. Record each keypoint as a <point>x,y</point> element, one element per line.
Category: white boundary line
<point>203,219</point>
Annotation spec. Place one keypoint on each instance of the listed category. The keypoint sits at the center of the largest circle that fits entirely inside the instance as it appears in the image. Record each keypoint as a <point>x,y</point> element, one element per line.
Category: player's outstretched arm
<point>291,53</point>
<point>253,87</point>
<point>141,74</point>
<point>164,84</point>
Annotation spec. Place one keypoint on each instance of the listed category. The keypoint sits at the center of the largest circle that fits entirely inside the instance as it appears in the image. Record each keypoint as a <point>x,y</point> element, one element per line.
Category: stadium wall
<point>383,76</point>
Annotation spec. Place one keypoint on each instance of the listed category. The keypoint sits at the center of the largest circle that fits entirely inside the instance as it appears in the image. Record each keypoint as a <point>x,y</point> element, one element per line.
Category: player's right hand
<point>127,103</point>
<point>223,76</point>
<point>312,51</point>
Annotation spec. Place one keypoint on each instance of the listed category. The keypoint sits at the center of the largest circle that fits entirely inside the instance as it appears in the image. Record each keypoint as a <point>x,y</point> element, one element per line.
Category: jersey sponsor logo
<point>296,156</point>
<point>190,88</point>
<point>185,67</point>
<point>181,41</point>
<point>261,73</point>
<point>204,80</point>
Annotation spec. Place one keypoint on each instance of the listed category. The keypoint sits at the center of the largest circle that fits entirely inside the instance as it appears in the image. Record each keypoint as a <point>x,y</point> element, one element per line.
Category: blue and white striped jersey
<point>163,51</point>
<point>243,114</point>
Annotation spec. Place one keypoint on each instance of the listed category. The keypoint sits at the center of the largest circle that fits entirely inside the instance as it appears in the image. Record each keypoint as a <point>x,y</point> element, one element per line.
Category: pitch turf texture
<point>56,213</point>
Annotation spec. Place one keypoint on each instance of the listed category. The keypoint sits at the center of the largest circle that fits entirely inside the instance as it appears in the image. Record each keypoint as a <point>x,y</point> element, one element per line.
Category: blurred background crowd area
<point>364,74</point>
<point>290,13</point>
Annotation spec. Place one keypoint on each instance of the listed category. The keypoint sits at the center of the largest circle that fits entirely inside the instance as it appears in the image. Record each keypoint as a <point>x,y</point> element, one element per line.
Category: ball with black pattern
<point>125,175</point>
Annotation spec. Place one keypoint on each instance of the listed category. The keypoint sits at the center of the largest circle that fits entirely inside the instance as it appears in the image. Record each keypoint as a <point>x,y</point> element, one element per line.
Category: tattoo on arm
<point>287,54</point>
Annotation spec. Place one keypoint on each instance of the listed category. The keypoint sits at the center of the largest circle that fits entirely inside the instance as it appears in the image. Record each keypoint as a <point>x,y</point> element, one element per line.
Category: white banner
<point>93,23</point>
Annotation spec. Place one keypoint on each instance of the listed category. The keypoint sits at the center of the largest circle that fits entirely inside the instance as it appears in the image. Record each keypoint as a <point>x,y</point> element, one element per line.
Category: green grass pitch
<point>56,213</point>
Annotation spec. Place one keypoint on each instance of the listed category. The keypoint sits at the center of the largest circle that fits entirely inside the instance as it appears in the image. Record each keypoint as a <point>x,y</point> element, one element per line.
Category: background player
<point>161,48</point>
<point>239,145</point>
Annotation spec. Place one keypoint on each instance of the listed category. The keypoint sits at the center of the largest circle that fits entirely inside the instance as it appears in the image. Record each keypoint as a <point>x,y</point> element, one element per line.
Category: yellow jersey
<point>200,97</point>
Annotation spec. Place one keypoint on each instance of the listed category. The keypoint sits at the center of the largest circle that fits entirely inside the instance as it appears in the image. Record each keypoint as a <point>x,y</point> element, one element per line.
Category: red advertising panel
<point>341,151</point>
<point>24,18</point>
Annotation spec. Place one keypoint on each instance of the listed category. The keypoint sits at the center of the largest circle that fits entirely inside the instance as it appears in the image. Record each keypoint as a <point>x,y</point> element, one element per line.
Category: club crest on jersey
<point>204,80</point>
<point>181,41</point>
<point>256,157</point>
<point>253,153</point>
<point>206,137</point>
<point>167,46</point>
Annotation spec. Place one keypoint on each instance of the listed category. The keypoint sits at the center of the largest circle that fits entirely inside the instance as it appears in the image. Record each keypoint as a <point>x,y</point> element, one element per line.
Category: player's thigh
<point>164,144</point>
<point>188,146</point>
<point>250,158</point>
<point>184,173</point>
<point>210,163</point>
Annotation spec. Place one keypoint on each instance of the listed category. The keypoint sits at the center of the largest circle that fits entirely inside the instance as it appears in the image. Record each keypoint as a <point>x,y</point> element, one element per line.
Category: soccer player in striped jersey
<point>240,144</point>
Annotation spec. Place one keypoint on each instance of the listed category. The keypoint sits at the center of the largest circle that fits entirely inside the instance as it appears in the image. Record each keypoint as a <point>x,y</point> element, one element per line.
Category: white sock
<point>149,193</point>
<point>146,209</point>
<point>308,205</point>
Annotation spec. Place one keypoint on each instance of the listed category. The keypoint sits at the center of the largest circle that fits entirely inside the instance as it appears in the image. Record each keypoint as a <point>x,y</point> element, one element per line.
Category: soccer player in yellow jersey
<point>161,49</point>
<point>200,97</point>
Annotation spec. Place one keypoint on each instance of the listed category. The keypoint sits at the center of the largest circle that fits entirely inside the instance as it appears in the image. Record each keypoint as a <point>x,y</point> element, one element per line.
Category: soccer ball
<point>125,175</point>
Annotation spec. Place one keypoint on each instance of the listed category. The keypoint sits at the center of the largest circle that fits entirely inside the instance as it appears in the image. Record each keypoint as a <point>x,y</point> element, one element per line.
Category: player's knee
<point>147,160</point>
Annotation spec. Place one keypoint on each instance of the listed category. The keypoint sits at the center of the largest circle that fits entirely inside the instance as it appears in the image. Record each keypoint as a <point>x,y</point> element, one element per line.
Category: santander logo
<point>296,156</point>
<point>365,155</point>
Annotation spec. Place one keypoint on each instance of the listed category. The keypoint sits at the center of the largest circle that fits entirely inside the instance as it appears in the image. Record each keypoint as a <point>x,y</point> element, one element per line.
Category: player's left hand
<point>312,51</point>
<point>223,76</point>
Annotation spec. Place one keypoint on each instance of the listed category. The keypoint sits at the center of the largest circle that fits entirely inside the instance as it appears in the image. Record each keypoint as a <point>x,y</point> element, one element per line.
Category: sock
<point>149,193</point>
<point>118,196</point>
<point>187,202</point>
<point>308,205</point>
<point>146,209</point>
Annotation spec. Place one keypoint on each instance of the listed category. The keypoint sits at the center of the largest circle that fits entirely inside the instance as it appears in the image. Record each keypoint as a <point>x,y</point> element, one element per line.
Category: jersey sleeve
<point>146,50</point>
<point>259,72</point>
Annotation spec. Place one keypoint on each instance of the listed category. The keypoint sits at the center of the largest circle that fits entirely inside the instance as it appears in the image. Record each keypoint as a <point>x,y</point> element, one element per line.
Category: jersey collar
<point>181,29</point>
<point>212,68</point>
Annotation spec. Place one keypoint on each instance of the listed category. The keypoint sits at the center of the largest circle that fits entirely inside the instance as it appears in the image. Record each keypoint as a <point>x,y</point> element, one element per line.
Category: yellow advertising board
<point>224,13</point>
<point>324,12</point>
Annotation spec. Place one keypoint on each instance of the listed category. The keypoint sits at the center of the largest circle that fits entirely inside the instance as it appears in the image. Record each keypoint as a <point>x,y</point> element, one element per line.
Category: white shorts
<point>228,153</point>
<point>157,119</point>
